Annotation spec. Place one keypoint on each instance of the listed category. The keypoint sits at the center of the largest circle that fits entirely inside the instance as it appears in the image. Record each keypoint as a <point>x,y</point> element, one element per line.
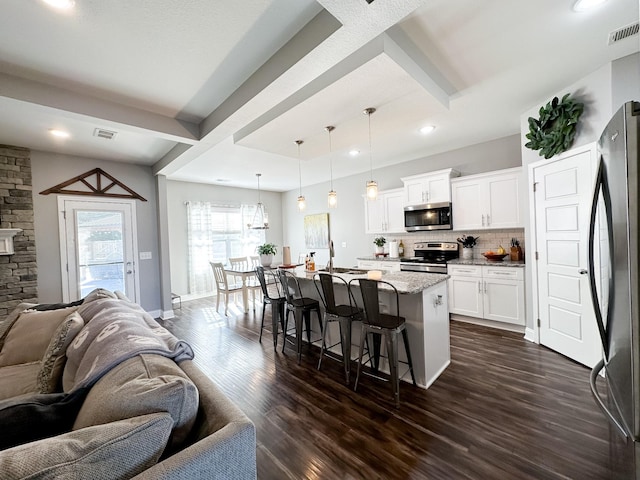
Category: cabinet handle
<point>485,287</point>
<point>488,221</point>
<point>483,220</point>
<point>427,195</point>
<point>502,273</point>
<point>479,288</point>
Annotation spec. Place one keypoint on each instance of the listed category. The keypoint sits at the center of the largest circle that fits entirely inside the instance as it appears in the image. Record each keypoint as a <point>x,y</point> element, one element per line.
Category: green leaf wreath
<point>555,130</point>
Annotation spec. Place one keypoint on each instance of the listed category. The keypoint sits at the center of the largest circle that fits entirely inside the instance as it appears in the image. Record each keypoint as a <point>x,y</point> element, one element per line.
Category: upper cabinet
<point>433,187</point>
<point>386,213</point>
<point>488,200</point>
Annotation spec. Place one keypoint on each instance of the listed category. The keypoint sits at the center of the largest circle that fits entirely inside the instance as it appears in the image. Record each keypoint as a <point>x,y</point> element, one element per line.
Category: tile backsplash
<point>489,239</point>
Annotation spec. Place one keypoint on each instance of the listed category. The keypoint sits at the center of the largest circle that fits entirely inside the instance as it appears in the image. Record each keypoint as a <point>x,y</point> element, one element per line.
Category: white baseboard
<point>155,313</point>
<point>530,334</point>
<point>167,314</point>
<point>488,323</point>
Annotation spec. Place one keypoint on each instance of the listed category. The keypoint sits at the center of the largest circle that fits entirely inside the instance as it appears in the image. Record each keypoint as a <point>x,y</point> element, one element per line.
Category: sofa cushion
<point>27,418</point>
<point>29,336</point>
<point>143,384</point>
<point>19,379</point>
<point>50,375</point>
<point>113,451</point>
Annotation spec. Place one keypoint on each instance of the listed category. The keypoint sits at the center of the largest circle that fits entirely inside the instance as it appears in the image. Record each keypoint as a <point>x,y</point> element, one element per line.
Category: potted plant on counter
<point>266,252</point>
<point>379,242</point>
<point>467,242</point>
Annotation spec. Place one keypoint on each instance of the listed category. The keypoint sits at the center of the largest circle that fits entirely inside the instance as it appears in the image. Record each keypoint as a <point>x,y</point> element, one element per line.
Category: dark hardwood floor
<point>504,409</point>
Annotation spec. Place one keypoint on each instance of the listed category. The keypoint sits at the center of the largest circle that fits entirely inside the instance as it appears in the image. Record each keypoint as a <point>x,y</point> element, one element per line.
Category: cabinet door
<point>503,195</point>
<point>437,189</point>
<point>504,300</point>
<point>414,192</point>
<point>373,216</point>
<point>467,205</point>
<point>465,296</point>
<point>393,212</point>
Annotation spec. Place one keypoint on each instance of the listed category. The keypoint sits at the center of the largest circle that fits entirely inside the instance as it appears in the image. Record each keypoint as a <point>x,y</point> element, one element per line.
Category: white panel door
<point>373,216</point>
<point>98,246</point>
<point>562,207</point>
<point>504,300</point>
<point>438,189</point>
<point>465,296</point>
<point>394,212</point>
<point>503,210</point>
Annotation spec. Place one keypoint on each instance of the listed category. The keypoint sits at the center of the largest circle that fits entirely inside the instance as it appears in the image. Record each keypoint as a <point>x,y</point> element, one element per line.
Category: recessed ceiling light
<point>354,153</point>
<point>58,133</point>
<point>223,180</point>
<point>584,5</point>
<point>61,4</point>
<point>427,129</point>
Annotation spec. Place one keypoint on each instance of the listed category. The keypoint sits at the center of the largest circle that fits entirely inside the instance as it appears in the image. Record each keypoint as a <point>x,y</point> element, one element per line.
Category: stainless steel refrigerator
<point>614,278</point>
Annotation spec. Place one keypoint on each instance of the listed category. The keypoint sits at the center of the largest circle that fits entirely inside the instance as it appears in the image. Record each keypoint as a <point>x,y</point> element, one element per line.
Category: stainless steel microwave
<point>431,216</point>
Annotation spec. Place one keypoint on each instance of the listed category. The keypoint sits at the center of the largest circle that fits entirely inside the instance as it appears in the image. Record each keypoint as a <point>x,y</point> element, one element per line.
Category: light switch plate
<point>344,244</point>
<point>145,255</point>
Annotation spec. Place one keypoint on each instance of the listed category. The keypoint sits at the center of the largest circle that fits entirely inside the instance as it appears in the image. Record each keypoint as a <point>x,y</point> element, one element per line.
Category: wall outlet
<point>145,255</point>
<point>344,244</point>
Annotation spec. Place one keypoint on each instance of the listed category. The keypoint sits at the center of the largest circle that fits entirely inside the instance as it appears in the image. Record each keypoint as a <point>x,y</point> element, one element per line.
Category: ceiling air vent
<point>622,33</point>
<point>102,133</point>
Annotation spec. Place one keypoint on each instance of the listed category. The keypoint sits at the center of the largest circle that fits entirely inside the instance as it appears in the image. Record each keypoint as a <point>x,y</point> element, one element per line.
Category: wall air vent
<point>102,133</point>
<point>622,33</point>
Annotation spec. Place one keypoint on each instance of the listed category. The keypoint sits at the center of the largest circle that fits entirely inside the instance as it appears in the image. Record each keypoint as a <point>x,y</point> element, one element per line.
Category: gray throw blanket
<point>115,331</point>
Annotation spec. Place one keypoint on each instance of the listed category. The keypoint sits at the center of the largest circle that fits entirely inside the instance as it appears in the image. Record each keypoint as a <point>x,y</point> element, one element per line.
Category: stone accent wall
<point>18,272</point>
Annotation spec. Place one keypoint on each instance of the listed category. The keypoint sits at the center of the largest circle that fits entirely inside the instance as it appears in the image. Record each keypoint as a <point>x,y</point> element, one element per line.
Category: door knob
<point>582,271</point>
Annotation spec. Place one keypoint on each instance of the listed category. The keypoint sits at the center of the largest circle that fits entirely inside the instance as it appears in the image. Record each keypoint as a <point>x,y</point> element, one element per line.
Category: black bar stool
<point>301,307</point>
<point>344,314</point>
<point>271,295</point>
<point>388,325</point>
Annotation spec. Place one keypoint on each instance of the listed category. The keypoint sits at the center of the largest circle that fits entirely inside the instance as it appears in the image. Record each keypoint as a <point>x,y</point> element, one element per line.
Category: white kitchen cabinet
<point>386,213</point>
<point>379,265</point>
<point>433,187</point>
<point>488,292</point>
<point>488,200</point>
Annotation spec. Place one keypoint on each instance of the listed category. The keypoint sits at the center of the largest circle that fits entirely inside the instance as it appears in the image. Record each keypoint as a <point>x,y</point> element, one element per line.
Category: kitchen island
<point>424,305</point>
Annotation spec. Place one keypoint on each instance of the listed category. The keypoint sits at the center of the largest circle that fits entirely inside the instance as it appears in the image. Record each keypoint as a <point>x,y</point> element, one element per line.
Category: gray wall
<point>625,74</point>
<point>50,169</point>
<point>180,192</point>
<point>347,221</point>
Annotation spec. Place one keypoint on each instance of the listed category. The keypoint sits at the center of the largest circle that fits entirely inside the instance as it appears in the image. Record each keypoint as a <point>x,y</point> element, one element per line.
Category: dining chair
<point>255,260</point>
<point>301,307</point>
<point>342,313</point>
<point>388,325</point>
<point>242,265</point>
<point>223,287</point>
<point>271,295</point>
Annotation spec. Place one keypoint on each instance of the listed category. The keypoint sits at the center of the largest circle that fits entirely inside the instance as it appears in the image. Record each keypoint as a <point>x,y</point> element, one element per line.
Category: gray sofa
<point>145,417</point>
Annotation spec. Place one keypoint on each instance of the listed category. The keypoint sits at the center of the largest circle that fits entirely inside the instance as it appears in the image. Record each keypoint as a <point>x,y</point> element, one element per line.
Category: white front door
<point>562,208</point>
<point>97,246</point>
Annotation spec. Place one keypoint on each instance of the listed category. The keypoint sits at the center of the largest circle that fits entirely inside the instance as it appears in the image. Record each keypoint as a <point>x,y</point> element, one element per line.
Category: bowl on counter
<point>494,257</point>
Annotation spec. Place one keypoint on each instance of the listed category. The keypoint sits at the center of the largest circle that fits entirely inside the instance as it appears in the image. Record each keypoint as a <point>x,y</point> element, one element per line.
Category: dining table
<point>246,274</point>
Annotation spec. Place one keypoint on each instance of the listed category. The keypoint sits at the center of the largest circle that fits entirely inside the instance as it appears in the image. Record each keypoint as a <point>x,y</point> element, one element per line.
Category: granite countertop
<point>381,259</point>
<point>405,282</point>
<point>484,261</point>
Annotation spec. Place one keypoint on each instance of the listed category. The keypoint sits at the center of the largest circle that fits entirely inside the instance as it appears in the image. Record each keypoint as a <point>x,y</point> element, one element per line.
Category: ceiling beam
<point>71,104</point>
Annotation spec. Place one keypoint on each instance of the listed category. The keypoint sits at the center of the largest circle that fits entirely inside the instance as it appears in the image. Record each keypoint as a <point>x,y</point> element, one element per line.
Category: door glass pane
<point>100,250</point>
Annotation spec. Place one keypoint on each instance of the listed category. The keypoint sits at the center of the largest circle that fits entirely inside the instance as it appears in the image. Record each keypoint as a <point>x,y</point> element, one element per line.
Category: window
<point>215,233</point>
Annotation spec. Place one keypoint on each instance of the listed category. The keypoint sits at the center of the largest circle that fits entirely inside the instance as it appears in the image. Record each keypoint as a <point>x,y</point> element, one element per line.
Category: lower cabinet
<point>492,293</point>
<point>379,265</point>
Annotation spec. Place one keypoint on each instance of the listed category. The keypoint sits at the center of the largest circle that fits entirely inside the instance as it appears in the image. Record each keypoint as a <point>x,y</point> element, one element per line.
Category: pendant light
<point>372,185</point>
<point>302,203</point>
<point>260,217</point>
<point>332,198</point>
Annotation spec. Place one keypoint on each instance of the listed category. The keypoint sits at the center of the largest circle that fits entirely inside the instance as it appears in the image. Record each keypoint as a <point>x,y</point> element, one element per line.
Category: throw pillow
<point>50,375</point>
<point>28,338</point>
<point>143,384</point>
<point>117,450</point>
<point>28,418</point>
<point>8,322</point>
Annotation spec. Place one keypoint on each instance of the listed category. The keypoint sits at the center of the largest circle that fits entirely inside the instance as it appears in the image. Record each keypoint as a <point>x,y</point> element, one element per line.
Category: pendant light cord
<point>330,158</point>
<point>299,142</point>
<point>370,153</point>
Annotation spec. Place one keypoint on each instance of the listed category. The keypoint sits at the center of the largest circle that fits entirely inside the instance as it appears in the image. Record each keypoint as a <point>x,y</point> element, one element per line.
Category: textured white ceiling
<point>230,85</point>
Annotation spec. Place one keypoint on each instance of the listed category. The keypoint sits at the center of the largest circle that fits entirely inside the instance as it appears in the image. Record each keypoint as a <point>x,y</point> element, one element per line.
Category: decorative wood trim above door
<point>96,188</point>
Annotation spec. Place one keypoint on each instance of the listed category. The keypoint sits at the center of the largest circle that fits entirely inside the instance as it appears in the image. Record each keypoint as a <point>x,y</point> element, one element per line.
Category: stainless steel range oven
<point>431,257</point>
